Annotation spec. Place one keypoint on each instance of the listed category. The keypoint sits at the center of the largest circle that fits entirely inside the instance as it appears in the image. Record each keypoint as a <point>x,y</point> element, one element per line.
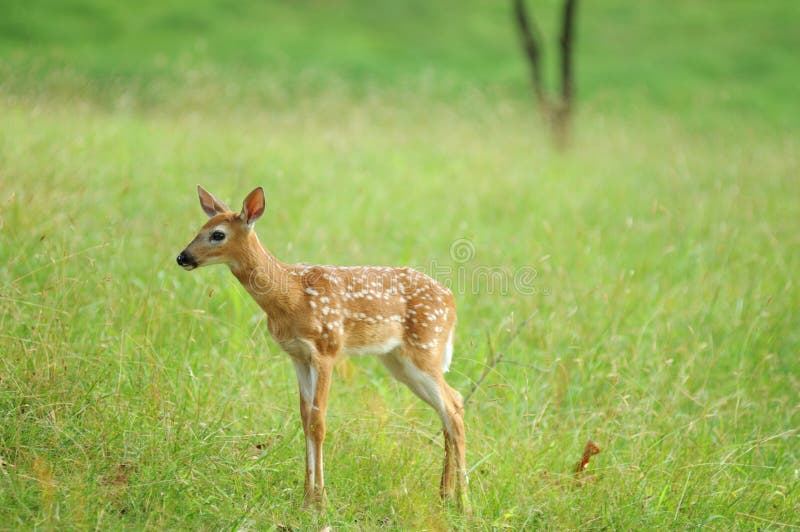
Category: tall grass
<point>135,393</point>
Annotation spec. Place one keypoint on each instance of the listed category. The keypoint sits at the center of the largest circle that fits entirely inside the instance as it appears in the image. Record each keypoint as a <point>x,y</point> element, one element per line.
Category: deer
<point>317,313</point>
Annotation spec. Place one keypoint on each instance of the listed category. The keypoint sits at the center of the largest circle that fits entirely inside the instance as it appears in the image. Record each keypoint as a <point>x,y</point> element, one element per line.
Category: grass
<point>664,245</point>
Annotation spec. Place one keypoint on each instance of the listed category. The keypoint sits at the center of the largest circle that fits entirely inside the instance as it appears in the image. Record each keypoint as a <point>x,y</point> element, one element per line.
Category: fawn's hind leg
<point>454,476</point>
<point>431,387</point>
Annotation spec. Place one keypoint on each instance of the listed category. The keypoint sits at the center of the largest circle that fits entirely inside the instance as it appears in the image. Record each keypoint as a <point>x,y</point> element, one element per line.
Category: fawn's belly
<point>303,349</point>
<point>380,348</point>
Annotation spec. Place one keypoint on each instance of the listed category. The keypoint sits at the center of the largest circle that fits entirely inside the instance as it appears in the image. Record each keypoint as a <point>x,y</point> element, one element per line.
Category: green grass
<point>136,395</point>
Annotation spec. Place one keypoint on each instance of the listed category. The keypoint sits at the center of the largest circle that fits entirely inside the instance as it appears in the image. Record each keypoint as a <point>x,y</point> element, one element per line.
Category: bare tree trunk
<point>556,111</point>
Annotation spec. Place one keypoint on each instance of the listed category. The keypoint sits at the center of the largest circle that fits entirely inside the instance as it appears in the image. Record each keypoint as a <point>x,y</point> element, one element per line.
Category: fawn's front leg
<point>316,425</point>
<point>307,383</point>
<point>314,379</point>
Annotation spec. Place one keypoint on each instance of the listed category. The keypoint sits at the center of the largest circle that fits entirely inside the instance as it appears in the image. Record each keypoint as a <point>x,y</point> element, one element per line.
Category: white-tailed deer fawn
<point>316,313</point>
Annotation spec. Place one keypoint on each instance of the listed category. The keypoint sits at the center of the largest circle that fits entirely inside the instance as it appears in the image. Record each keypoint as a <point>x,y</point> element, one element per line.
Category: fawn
<point>316,313</point>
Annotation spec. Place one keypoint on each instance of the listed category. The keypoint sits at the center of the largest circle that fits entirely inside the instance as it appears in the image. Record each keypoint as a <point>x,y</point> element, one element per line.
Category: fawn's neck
<point>265,277</point>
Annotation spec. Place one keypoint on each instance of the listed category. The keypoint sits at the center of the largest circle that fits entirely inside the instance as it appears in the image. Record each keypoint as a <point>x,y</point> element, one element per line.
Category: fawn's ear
<point>210,204</point>
<point>253,206</point>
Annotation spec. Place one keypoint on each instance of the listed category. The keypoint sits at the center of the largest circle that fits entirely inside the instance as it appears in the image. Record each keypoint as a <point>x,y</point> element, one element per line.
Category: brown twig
<point>495,360</point>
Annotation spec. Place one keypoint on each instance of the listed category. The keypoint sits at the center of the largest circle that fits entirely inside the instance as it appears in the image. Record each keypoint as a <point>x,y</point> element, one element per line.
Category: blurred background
<point>682,58</point>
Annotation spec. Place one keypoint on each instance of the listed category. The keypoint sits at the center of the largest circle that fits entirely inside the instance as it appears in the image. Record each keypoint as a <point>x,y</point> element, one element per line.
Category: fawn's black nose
<point>184,259</point>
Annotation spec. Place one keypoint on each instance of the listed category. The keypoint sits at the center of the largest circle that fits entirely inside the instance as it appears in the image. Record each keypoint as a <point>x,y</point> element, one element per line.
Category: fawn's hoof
<point>315,500</point>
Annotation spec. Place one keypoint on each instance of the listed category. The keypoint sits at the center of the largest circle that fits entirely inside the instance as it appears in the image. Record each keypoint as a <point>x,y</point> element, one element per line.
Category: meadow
<point>657,259</point>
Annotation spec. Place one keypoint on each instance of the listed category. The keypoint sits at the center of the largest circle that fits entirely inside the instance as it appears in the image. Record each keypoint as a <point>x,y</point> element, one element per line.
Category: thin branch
<point>495,360</point>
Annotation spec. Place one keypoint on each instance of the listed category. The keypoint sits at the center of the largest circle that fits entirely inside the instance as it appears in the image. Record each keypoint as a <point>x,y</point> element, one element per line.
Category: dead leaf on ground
<point>589,450</point>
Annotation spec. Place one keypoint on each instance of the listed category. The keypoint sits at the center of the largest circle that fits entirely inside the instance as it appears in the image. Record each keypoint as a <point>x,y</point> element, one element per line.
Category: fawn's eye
<point>217,235</point>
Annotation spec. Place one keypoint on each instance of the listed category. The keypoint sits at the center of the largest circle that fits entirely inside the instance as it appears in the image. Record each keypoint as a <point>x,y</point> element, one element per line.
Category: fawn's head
<point>225,234</point>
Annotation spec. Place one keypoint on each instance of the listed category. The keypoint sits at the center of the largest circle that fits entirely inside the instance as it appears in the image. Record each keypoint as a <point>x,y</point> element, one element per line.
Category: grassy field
<point>663,247</point>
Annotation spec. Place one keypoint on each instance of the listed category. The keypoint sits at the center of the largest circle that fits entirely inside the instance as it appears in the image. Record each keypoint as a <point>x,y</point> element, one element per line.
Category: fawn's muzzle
<point>186,261</point>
